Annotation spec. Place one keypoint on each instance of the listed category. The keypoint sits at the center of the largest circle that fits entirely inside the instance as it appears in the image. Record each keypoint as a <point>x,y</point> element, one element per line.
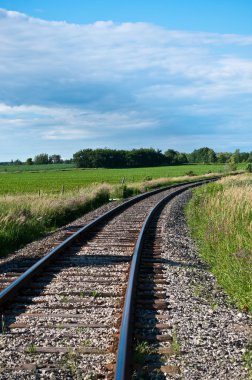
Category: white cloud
<point>68,123</point>
<point>68,81</point>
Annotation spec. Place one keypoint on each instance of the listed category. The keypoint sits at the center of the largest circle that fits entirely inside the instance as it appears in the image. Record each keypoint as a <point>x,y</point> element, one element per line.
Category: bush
<point>231,167</point>
<point>123,192</point>
<point>190,173</point>
<point>249,168</point>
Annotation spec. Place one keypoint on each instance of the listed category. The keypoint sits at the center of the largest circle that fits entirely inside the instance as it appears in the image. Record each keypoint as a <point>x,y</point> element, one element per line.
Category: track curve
<point>65,322</point>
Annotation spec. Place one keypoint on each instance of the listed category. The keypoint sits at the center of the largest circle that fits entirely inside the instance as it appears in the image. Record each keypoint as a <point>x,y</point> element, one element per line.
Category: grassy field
<point>36,202</point>
<point>51,181</point>
<point>34,168</point>
<point>220,218</point>
<point>33,203</point>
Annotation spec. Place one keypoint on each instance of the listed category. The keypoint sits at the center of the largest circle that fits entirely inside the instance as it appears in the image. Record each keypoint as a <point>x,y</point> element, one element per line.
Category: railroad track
<point>62,318</point>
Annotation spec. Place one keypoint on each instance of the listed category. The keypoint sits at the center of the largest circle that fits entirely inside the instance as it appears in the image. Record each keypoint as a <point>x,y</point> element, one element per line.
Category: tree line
<point>42,159</point>
<point>112,158</point>
<point>143,157</point>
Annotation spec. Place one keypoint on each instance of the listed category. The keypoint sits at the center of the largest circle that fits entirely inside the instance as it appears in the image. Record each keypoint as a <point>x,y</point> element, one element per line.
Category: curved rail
<point>125,341</point>
<point>16,285</point>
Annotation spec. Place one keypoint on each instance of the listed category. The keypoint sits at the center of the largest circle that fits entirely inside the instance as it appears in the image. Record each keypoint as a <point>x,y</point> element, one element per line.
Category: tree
<point>211,156</point>
<point>171,156</point>
<point>145,157</point>
<point>236,156</point>
<point>29,161</point>
<point>84,158</point>
<point>41,159</point>
<point>249,159</point>
<point>55,159</point>
<point>223,157</point>
<point>203,155</point>
<point>17,162</point>
<point>111,158</point>
<point>182,158</point>
<point>175,158</point>
<point>244,156</point>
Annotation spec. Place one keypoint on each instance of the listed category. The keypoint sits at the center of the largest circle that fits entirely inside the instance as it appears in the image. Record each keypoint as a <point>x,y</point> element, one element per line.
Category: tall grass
<point>26,217</point>
<point>220,218</point>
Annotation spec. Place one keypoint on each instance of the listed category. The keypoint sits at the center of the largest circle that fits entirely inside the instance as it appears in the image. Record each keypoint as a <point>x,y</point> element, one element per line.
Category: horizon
<point>13,160</point>
<point>162,74</point>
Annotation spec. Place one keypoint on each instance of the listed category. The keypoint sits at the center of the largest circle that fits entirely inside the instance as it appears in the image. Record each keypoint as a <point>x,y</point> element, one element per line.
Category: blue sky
<point>166,74</point>
<point>222,16</point>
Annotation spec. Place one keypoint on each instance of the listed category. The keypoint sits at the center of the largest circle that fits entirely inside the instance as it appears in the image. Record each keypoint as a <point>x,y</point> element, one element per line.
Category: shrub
<point>123,191</point>
<point>249,168</point>
<point>190,173</point>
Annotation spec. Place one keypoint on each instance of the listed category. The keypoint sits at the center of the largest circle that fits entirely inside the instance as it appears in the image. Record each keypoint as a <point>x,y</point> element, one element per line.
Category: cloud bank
<point>67,86</point>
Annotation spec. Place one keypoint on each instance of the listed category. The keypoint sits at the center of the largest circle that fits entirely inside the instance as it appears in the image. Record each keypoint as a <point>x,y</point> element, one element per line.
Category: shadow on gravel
<point>181,264</point>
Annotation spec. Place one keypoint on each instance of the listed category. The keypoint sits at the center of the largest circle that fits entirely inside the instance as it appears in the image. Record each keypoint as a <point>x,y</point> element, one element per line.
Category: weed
<point>86,343</point>
<point>175,343</point>
<point>142,349</point>
<point>197,290</point>
<point>3,325</point>
<point>214,305</point>
<point>81,329</point>
<point>60,326</point>
<point>247,358</point>
<point>64,299</point>
<point>95,293</point>
<point>90,376</point>
<point>31,349</point>
<point>206,295</point>
<point>70,363</point>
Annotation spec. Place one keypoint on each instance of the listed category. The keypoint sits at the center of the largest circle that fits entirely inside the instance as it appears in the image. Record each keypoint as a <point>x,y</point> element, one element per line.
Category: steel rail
<point>7,294</point>
<point>123,363</point>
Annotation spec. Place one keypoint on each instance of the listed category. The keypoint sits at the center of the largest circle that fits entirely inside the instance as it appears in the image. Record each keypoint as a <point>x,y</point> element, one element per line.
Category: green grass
<point>141,350</point>
<point>24,218</point>
<point>31,349</point>
<point>53,181</point>
<point>35,203</point>
<point>34,168</point>
<point>220,218</point>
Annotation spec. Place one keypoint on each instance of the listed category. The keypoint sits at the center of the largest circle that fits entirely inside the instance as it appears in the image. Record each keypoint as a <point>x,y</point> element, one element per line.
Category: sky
<point>86,74</point>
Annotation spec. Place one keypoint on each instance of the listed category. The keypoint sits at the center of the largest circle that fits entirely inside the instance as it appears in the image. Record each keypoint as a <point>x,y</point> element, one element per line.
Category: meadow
<point>33,203</point>
<point>52,179</point>
<point>34,168</point>
<point>220,218</point>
